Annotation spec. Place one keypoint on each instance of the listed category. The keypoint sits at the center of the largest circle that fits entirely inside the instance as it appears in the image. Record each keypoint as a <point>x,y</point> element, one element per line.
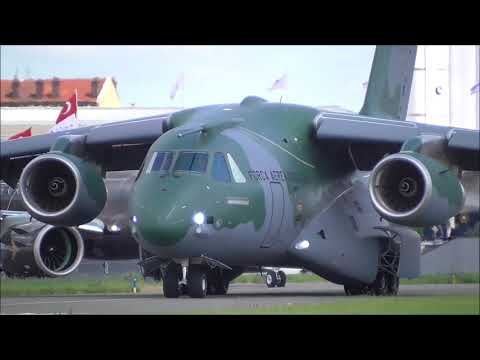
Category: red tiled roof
<point>27,92</point>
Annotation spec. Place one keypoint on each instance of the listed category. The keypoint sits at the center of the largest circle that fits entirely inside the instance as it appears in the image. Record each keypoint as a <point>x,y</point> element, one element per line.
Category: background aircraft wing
<point>117,146</point>
<point>368,139</point>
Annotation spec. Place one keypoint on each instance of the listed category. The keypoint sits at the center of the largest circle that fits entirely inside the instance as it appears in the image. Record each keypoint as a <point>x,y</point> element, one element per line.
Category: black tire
<point>283,279</point>
<point>217,285</point>
<point>353,290</point>
<point>221,287</point>
<point>347,290</point>
<point>171,285</point>
<point>197,282</point>
<point>393,285</point>
<point>271,279</point>
<point>380,284</point>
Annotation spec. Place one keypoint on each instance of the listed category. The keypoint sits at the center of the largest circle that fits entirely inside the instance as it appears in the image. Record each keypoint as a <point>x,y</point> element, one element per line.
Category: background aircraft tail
<point>390,82</point>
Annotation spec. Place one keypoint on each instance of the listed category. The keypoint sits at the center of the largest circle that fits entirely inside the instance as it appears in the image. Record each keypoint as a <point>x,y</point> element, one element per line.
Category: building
<point>101,92</point>
<point>37,103</point>
<point>443,88</point>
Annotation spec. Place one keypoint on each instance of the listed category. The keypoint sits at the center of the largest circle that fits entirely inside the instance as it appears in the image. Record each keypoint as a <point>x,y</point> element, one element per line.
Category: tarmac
<point>239,296</point>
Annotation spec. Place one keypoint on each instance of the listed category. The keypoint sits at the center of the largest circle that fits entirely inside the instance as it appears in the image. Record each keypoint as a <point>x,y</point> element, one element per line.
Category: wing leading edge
<point>462,145</point>
<point>117,146</point>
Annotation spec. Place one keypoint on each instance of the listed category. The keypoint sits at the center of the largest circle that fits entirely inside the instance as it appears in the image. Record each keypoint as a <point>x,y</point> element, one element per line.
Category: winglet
<point>390,82</point>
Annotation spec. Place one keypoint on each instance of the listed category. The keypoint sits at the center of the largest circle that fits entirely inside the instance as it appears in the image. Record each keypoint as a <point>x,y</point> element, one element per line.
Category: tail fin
<point>390,82</point>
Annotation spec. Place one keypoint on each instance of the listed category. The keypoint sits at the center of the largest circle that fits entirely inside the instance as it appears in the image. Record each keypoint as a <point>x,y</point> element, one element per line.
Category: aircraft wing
<point>117,146</point>
<point>368,139</point>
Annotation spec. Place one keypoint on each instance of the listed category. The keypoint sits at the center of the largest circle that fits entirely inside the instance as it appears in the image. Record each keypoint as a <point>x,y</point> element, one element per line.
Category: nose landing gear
<point>197,282</point>
<point>275,278</point>
<point>194,280</point>
<point>171,280</point>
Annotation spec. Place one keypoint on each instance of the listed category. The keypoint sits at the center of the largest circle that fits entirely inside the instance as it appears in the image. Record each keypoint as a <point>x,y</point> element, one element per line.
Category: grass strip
<point>67,286</point>
<point>461,278</point>
<point>428,305</point>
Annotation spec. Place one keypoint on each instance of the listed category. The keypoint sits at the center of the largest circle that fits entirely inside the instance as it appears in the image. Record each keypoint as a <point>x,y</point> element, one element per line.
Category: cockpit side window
<point>236,172</point>
<point>191,161</point>
<point>220,168</point>
<point>160,161</point>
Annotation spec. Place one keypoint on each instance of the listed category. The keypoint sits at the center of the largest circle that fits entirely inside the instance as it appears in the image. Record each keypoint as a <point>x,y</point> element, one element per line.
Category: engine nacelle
<point>62,189</point>
<point>412,189</point>
<point>41,250</point>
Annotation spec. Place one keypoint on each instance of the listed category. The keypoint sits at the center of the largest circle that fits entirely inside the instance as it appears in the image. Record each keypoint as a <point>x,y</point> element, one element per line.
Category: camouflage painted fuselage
<point>290,183</point>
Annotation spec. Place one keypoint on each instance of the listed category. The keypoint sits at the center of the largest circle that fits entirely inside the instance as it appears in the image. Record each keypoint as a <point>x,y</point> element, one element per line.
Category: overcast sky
<point>317,75</point>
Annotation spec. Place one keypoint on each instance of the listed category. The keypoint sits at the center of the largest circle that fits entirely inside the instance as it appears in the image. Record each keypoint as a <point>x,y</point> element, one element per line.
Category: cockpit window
<point>160,161</point>
<point>191,161</point>
<point>236,172</point>
<point>220,169</point>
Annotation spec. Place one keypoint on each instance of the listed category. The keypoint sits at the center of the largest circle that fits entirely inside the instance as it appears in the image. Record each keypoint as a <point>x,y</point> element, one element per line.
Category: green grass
<point>294,278</point>
<point>467,278</point>
<point>428,305</point>
<point>461,278</point>
<point>60,286</point>
<point>122,284</point>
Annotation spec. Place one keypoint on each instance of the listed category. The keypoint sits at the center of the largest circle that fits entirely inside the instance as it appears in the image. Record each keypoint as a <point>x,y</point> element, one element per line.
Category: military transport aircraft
<point>225,187</point>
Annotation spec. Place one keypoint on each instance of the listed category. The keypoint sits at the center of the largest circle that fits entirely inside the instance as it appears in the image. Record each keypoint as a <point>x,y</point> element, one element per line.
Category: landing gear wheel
<point>271,279</point>
<point>283,279</point>
<point>222,287</point>
<point>217,287</point>
<point>393,284</point>
<point>353,290</point>
<point>197,282</point>
<point>171,286</point>
<point>380,284</point>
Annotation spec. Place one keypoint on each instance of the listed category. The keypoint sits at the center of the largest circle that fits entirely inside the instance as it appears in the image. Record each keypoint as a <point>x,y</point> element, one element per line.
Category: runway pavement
<point>239,296</point>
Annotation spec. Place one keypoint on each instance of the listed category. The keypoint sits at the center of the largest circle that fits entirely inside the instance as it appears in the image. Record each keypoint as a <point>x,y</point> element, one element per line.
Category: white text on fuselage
<point>264,175</point>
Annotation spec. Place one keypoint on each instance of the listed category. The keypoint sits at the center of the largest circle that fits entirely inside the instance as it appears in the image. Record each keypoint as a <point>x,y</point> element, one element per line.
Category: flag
<point>475,89</point>
<point>67,119</point>
<point>23,134</point>
<point>280,83</point>
<point>177,86</point>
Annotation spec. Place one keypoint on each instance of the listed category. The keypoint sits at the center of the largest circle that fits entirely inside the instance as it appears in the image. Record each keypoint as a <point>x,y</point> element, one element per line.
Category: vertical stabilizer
<point>390,82</point>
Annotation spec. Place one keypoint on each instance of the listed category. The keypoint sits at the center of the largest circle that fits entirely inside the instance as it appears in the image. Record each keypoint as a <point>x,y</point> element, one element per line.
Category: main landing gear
<point>387,281</point>
<point>196,281</point>
<point>275,278</point>
<point>385,284</point>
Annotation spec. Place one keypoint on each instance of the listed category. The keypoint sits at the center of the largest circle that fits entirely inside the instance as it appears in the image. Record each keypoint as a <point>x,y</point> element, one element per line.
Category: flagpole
<point>183,90</point>
<point>76,105</point>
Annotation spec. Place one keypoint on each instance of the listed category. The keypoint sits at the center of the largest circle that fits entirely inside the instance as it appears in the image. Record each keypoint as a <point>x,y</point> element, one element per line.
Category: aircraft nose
<point>162,221</point>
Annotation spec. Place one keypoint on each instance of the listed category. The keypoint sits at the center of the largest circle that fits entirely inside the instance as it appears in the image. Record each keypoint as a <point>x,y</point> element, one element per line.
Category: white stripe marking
<point>278,146</point>
<point>244,202</point>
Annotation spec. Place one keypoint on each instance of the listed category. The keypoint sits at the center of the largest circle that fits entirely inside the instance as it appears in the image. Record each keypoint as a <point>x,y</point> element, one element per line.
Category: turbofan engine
<point>36,249</point>
<point>62,189</point>
<point>412,189</point>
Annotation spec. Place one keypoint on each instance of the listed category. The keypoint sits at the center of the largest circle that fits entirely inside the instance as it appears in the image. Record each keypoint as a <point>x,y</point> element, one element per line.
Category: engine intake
<point>415,190</point>
<point>58,250</point>
<point>31,248</point>
<point>62,189</point>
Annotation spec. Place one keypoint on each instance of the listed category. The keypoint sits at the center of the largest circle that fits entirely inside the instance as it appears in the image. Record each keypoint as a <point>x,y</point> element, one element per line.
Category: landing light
<point>114,228</point>
<point>134,219</point>
<point>199,218</point>
<point>302,245</point>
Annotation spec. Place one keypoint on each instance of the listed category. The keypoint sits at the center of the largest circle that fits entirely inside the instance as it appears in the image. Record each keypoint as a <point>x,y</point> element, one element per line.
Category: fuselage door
<point>277,214</point>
